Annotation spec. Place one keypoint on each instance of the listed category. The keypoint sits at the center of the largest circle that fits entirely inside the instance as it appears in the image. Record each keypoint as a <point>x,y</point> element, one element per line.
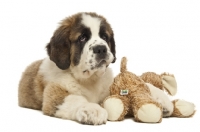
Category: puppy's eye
<point>83,38</point>
<point>104,37</point>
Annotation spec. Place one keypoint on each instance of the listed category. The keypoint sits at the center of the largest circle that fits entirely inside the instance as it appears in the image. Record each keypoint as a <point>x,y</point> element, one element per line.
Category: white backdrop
<point>155,35</point>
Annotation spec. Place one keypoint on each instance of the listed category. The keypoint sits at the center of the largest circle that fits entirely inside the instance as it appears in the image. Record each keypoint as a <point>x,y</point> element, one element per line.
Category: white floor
<point>156,35</point>
<point>26,120</point>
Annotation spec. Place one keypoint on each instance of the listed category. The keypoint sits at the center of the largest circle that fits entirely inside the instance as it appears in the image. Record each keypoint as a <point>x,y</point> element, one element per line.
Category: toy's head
<point>165,81</point>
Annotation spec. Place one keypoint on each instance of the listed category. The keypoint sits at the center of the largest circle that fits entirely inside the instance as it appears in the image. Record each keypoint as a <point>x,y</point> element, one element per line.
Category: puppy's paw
<point>92,113</point>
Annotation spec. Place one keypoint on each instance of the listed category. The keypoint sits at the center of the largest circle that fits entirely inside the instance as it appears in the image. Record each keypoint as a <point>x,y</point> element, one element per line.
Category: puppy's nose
<point>100,49</point>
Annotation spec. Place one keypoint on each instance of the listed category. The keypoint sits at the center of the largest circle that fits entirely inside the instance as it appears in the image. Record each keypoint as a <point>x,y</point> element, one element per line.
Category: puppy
<point>75,77</point>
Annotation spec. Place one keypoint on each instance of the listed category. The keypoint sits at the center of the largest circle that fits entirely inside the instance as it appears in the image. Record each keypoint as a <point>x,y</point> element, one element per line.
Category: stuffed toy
<point>143,97</point>
<point>167,82</point>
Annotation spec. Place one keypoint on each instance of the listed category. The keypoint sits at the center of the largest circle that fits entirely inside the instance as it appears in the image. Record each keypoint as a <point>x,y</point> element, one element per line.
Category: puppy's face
<point>84,43</point>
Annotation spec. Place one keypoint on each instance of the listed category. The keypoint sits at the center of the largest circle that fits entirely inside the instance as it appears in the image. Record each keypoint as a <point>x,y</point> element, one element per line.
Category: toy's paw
<point>92,113</point>
<point>149,113</point>
<point>183,108</point>
<point>114,107</point>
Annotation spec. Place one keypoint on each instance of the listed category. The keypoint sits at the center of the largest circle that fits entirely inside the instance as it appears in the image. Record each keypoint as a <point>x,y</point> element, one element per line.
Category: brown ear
<point>112,42</point>
<point>58,48</point>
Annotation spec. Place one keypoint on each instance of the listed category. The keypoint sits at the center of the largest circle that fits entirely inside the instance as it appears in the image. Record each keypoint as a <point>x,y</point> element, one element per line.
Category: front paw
<point>92,113</point>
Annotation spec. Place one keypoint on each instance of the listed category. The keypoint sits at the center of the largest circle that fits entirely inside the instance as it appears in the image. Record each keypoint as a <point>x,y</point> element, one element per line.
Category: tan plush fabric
<point>152,78</point>
<point>138,92</point>
<point>169,83</point>
<point>177,113</point>
<point>126,103</point>
<point>165,81</point>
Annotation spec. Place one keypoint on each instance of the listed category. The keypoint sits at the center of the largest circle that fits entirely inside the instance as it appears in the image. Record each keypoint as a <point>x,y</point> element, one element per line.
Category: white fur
<point>92,23</point>
<point>93,91</point>
<point>162,98</point>
<point>78,108</point>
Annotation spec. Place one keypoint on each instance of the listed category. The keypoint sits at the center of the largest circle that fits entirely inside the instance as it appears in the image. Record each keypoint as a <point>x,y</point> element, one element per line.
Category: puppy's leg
<point>163,99</point>
<point>59,103</point>
<point>77,108</point>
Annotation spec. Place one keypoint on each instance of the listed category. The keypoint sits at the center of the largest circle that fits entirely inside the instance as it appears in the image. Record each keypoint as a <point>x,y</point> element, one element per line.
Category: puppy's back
<point>30,87</point>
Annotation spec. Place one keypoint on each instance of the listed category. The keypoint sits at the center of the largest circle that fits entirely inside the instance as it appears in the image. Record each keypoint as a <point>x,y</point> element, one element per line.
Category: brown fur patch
<point>54,95</point>
<point>74,57</point>
<point>30,87</point>
<point>60,44</point>
<point>40,85</point>
<point>59,47</point>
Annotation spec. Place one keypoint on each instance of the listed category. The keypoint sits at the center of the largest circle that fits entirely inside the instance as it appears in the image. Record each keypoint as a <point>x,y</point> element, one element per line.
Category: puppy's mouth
<point>102,62</point>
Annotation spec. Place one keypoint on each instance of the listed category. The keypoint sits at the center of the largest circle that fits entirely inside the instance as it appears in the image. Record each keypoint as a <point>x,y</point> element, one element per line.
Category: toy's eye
<point>83,38</point>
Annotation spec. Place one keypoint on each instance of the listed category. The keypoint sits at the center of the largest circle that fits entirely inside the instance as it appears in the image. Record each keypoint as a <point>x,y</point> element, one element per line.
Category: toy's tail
<point>123,64</point>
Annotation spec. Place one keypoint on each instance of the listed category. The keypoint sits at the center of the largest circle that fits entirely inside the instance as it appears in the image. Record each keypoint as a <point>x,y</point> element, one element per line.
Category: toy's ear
<point>58,48</point>
<point>169,83</point>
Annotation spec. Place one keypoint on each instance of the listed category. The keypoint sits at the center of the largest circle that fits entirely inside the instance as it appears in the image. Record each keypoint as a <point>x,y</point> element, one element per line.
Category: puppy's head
<point>84,43</point>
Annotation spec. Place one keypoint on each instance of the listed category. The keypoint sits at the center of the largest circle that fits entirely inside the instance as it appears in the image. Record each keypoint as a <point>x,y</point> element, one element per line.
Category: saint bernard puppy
<point>75,78</point>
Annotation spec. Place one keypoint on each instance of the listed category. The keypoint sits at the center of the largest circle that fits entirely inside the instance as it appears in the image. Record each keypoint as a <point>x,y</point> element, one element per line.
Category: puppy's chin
<point>98,71</point>
<point>101,70</point>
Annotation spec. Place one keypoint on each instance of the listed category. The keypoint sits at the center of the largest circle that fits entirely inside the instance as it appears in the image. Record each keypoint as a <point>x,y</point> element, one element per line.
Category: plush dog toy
<point>143,97</point>
<point>167,82</point>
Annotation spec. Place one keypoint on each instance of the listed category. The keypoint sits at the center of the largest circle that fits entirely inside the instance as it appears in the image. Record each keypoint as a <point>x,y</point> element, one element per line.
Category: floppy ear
<point>112,42</point>
<point>58,48</point>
